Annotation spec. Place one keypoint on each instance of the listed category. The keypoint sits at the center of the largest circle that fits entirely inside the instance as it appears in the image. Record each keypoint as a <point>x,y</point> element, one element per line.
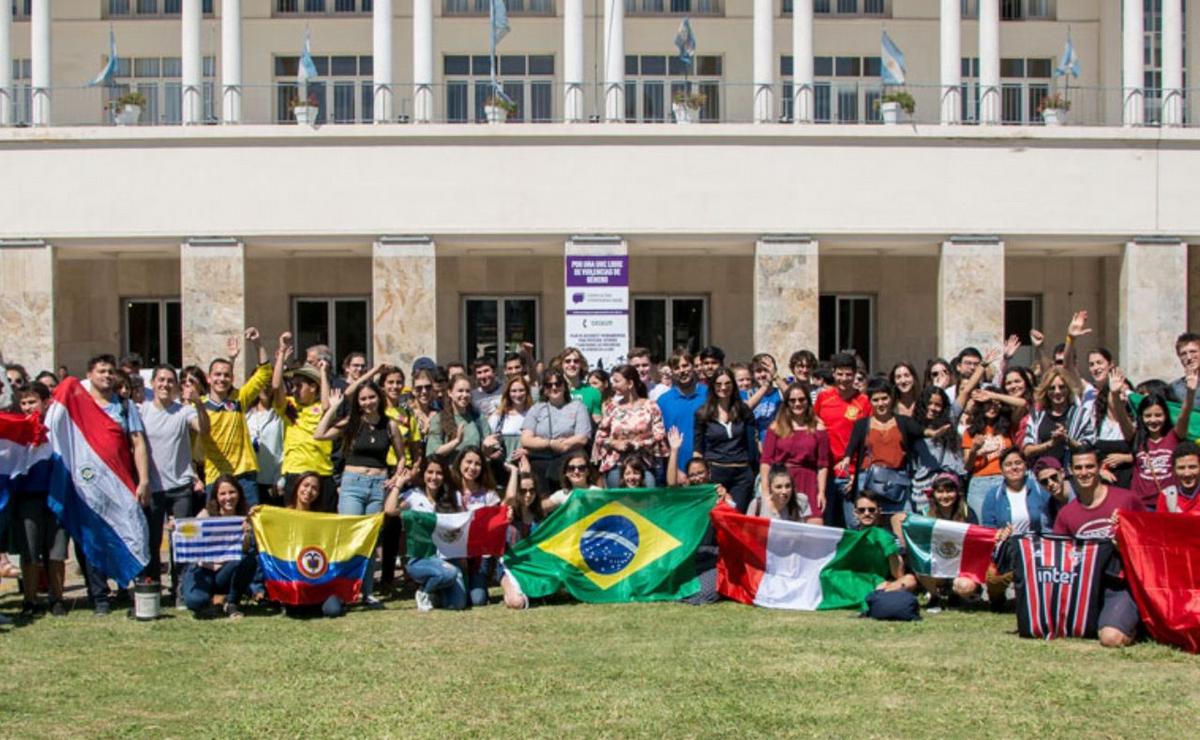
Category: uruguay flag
<point>891,68</point>
<point>23,446</point>
<point>91,484</point>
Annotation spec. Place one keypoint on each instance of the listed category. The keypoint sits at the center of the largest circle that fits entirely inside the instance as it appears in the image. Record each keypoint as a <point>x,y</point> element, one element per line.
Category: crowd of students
<point>976,439</point>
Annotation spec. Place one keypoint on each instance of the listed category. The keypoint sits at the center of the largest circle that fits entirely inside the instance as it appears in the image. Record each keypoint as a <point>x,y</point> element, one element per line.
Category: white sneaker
<point>424,603</point>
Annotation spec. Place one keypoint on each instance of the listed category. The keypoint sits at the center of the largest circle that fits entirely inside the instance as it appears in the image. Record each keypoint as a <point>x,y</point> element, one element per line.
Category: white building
<point>786,219</point>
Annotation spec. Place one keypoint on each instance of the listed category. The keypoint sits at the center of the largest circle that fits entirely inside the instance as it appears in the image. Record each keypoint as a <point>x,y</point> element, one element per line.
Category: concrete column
<point>1132,66</point>
<point>989,62</point>
<point>1172,62</point>
<point>403,287</point>
<point>786,296</point>
<point>951,57</point>
<point>573,61</point>
<point>39,45</point>
<point>212,289</point>
<point>422,61</point>
<point>1153,304</point>
<point>381,27</point>
<point>614,60</point>
<point>6,86</point>
<point>231,61</point>
<point>802,61</point>
<point>193,93</point>
<point>970,294</point>
<point>764,61</point>
<point>27,304</point>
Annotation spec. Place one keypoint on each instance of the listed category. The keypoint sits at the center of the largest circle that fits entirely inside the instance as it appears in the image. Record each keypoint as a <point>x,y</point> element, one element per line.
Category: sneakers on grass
<point>424,603</point>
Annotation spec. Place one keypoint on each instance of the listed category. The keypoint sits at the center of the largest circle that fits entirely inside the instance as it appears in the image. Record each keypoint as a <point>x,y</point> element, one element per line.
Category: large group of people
<point>977,439</point>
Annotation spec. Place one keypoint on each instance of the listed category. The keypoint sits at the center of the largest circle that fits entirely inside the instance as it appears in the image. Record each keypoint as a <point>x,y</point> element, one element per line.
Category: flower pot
<point>684,113</point>
<point>128,115</point>
<point>495,114</point>
<point>890,112</point>
<point>305,114</point>
<point>1054,116</point>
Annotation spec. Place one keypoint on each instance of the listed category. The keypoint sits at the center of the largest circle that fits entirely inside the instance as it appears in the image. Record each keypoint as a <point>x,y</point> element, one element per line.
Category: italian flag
<point>467,534</point>
<point>788,565</point>
<point>941,548</point>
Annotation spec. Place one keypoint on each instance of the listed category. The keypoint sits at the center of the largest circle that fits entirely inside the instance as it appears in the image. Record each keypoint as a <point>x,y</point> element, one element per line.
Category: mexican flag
<point>789,565</point>
<point>944,549</point>
<point>467,534</point>
<point>631,544</point>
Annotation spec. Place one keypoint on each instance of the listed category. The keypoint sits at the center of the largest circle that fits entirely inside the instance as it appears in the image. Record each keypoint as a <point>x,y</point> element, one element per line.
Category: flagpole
<point>492,42</point>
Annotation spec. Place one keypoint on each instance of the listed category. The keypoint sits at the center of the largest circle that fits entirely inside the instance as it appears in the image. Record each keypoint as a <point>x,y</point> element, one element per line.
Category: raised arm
<point>964,394</point>
<point>190,394</point>
<point>1076,329</point>
<point>1192,381</point>
<point>330,427</point>
<point>1116,402</point>
<point>278,394</point>
<point>674,441</point>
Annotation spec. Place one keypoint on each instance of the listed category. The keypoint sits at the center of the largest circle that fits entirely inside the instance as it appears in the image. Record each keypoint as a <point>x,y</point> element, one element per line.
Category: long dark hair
<point>738,410</point>
<point>630,373</point>
<point>1141,437</point>
<point>921,413</point>
<point>793,506</point>
<point>930,364</point>
<point>782,423</point>
<point>355,421</point>
<point>486,481</point>
<point>444,499</point>
<point>214,509</point>
<point>539,496</point>
<point>289,499</point>
<point>912,371</point>
<point>446,415</point>
<point>978,421</point>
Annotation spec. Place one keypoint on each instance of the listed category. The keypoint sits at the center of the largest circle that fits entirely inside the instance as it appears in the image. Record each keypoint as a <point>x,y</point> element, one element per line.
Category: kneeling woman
<point>209,586</point>
<point>781,501</point>
<point>442,583</point>
<point>305,495</point>
<point>947,502</point>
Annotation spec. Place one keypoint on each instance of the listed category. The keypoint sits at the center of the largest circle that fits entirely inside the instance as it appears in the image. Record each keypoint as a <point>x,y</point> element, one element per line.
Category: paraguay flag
<point>91,484</point>
<point>24,449</point>
<point>307,557</point>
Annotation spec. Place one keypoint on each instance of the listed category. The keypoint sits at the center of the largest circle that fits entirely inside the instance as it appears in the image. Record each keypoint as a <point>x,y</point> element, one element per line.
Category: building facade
<point>404,224</point>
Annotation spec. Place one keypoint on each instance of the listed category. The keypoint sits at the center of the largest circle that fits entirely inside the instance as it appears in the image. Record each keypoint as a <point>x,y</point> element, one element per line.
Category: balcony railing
<point>647,100</point>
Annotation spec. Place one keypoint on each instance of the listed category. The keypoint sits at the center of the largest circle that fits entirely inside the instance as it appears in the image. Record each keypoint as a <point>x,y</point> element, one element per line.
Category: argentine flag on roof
<point>1069,64</point>
<point>105,75</point>
<point>891,67</point>
<point>685,41</point>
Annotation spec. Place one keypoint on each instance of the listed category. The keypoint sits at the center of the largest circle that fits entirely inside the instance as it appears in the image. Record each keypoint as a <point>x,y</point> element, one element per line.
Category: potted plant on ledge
<point>686,106</point>
<point>127,109</point>
<point>891,103</point>
<point>305,110</point>
<point>1054,109</point>
<point>497,108</point>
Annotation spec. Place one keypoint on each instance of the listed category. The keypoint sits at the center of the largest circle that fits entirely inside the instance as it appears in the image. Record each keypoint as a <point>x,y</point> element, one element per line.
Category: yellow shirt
<point>302,453</point>
<point>410,432</point>
<point>228,449</point>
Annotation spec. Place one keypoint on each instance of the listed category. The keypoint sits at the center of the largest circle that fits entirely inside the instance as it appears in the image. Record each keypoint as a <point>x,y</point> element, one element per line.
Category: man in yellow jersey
<point>228,449</point>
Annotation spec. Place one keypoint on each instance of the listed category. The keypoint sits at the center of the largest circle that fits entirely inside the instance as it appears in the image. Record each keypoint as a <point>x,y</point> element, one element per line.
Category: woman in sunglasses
<point>577,472</point>
<point>554,427</point>
<point>869,516</point>
<point>423,405</point>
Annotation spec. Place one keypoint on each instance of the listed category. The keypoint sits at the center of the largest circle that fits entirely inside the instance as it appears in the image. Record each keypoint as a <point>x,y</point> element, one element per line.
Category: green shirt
<point>590,398</point>
<point>476,429</point>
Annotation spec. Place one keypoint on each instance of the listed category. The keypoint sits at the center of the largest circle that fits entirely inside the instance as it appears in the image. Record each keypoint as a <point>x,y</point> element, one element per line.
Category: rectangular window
<point>663,324</point>
<point>674,7</point>
<point>342,323</point>
<point>845,89</point>
<point>343,95</point>
<point>655,80</point>
<point>149,8</point>
<point>321,7</point>
<point>844,7</point>
<point>480,7</point>
<point>1024,82</point>
<point>154,329</point>
<point>496,325</point>
<point>1021,314</point>
<point>158,80</point>
<point>847,324</point>
<point>528,80</point>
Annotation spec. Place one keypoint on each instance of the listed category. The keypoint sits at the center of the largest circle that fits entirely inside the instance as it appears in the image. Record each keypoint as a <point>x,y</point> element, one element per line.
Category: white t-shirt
<point>1020,512</point>
<point>168,437</point>
<point>417,500</point>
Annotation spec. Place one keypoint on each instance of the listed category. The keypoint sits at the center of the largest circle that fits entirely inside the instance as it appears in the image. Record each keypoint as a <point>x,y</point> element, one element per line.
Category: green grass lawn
<point>571,670</point>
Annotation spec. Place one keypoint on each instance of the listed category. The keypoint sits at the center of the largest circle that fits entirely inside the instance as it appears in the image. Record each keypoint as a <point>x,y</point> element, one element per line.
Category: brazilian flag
<point>629,544</point>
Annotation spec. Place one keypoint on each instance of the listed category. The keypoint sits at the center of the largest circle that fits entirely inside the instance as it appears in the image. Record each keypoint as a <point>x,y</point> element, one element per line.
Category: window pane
<point>871,67</point>
<point>481,65</point>
<point>287,66</point>
<point>541,65</point>
<point>708,65</point>
<point>350,322</point>
<point>482,337</point>
<point>631,101</point>
<point>344,66</point>
<point>786,65</point>
<point>846,67</point>
<point>456,65</point>
<point>687,323</point>
<point>653,108</point>
<point>512,65</point>
<point>520,324</point>
<point>1038,68</point>
<point>823,66</point>
<point>650,326</point>
<point>456,102</point>
<point>174,334</point>
<point>854,326</point>
<point>142,320</point>
<point>1012,67</point>
<point>631,65</point>
<point>541,101</point>
<point>366,65</point>
<point>312,323</point>
<point>343,102</point>
<point>827,323</point>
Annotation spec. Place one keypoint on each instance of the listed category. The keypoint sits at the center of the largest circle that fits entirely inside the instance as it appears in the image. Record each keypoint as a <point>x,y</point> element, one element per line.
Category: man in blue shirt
<point>679,405</point>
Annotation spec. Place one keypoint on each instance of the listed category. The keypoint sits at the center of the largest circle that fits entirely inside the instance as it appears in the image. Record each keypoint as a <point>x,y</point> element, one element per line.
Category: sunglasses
<point>866,510</point>
<point>797,399</point>
<point>576,468</point>
<point>552,384</point>
<point>422,388</point>
<point>1047,479</point>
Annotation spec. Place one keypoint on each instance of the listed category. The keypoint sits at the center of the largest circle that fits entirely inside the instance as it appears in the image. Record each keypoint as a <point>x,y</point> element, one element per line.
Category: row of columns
<point>1133,68</point>
<point>1152,307</point>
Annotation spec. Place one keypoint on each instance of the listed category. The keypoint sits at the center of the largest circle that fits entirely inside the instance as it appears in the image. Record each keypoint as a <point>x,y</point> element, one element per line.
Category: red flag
<point>1161,553</point>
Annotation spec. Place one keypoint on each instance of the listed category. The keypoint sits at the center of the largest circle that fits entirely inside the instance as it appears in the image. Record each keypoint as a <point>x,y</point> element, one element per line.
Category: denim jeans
<point>612,478</point>
<point>363,494</point>
<point>977,491</point>
<point>199,585</point>
<point>249,484</point>
<point>443,581</point>
<point>837,506</point>
<point>176,503</point>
